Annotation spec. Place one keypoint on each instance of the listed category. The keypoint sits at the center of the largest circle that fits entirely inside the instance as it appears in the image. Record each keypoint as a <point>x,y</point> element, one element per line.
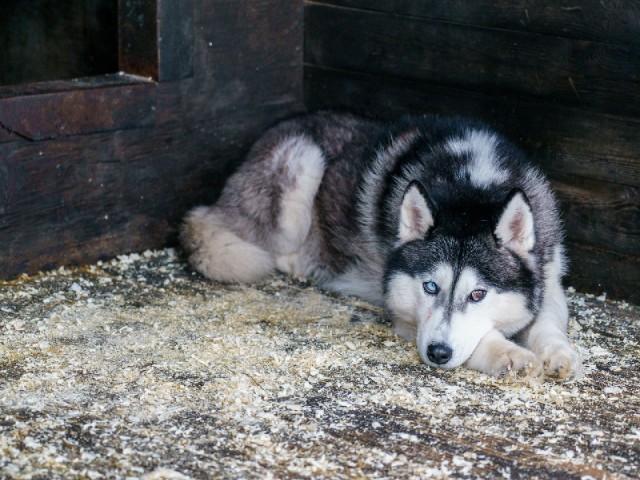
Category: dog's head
<point>458,271</point>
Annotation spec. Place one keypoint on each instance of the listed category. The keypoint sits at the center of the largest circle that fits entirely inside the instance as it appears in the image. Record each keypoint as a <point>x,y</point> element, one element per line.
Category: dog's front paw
<point>501,357</point>
<point>561,362</point>
<point>508,360</point>
<point>516,362</point>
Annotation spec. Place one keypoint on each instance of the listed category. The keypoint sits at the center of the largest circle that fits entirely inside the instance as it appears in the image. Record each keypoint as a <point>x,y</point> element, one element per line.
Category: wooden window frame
<point>151,49</point>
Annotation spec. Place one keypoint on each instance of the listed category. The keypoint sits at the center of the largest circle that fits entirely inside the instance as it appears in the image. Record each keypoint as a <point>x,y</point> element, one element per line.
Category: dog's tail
<point>218,253</point>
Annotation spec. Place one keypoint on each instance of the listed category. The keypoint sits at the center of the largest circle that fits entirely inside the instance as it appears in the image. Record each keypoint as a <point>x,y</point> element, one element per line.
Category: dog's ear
<point>515,228</point>
<point>416,213</point>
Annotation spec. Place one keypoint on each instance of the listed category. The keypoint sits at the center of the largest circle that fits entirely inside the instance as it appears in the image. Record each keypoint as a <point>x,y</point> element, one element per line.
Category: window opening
<point>43,40</point>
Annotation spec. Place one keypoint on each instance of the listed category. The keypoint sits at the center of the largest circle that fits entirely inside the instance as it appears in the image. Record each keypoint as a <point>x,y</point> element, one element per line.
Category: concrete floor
<point>140,368</point>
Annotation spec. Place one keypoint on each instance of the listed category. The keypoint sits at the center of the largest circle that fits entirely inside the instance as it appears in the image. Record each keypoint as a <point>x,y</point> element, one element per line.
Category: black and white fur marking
<point>442,221</point>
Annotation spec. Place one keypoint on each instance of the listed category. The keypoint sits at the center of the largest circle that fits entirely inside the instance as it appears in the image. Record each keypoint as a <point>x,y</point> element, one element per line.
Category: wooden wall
<point>560,78</point>
<point>74,188</point>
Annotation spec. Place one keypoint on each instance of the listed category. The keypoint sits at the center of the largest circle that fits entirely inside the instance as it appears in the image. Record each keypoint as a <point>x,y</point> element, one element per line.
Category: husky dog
<point>442,221</point>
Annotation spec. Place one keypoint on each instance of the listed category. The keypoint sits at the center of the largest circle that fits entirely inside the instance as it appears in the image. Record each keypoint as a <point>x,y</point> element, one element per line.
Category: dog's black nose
<point>439,353</point>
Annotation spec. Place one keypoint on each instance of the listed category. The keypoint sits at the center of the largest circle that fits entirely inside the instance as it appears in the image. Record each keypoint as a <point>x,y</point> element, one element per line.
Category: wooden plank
<point>562,140</point>
<point>99,104</point>
<point>61,86</point>
<point>593,270</point>
<point>138,37</point>
<point>175,39</point>
<point>578,73</point>
<point>248,42</point>
<point>612,22</point>
<point>6,135</point>
<point>600,214</point>
<point>94,197</point>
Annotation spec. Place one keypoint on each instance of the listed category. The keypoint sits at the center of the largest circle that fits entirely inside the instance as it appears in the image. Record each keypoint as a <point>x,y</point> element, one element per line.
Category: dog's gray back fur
<point>369,164</point>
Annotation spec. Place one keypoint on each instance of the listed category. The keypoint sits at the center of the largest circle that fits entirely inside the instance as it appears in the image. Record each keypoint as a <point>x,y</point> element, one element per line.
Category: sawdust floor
<point>140,368</point>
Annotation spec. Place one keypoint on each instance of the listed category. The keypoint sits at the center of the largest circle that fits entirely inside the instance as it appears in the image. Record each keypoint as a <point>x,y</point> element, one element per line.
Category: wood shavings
<point>138,368</point>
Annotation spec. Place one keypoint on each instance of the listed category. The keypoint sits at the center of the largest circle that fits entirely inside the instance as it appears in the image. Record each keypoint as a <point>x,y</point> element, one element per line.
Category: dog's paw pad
<point>561,363</point>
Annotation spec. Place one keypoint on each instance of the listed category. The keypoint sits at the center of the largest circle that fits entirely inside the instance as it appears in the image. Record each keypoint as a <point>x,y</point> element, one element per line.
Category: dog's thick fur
<point>443,221</point>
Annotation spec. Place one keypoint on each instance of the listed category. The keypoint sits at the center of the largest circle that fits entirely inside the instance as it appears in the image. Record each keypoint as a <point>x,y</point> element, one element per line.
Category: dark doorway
<point>45,40</point>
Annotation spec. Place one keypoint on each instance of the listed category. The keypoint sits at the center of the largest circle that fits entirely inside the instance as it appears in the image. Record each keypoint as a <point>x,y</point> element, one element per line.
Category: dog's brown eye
<point>477,295</point>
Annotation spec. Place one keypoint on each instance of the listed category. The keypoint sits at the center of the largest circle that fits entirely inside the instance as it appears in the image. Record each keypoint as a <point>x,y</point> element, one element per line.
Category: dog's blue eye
<point>477,295</point>
<point>430,287</point>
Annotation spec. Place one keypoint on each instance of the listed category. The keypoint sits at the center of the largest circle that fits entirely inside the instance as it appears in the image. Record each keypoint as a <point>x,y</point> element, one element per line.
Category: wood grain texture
<point>76,199</point>
<point>598,271</point>
<point>137,37</point>
<point>96,197</point>
<point>98,104</point>
<point>609,22</point>
<point>6,135</point>
<point>577,73</point>
<point>600,214</point>
<point>175,17</point>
